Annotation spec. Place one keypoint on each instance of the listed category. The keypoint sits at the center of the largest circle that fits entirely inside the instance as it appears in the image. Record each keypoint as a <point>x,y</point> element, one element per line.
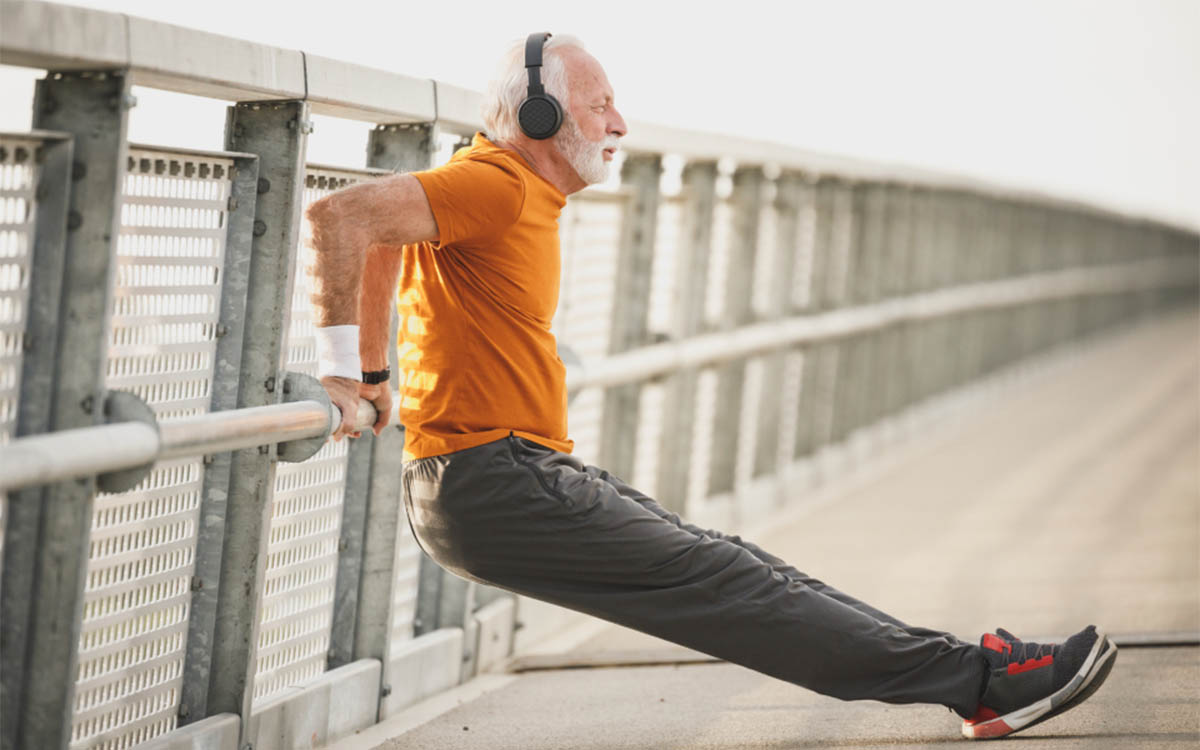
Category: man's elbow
<point>352,206</point>
<point>332,231</point>
<point>322,213</point>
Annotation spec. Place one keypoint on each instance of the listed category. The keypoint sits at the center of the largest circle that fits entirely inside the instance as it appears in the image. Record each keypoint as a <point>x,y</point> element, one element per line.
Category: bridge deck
<point>1076,499</point>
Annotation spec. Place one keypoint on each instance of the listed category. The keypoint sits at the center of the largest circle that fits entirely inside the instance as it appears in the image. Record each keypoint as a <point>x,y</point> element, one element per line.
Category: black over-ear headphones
<point>540,115</point>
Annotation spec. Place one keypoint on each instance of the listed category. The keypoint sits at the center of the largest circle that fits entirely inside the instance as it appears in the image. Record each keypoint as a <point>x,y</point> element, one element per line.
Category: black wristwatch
<point>375,377</point>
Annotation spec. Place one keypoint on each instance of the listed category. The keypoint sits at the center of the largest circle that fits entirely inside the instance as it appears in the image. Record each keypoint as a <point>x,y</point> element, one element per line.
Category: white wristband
<point>337,352</point>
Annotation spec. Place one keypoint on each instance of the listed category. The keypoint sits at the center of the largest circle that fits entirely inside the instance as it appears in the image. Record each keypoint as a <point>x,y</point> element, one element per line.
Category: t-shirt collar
<point>482,141</point>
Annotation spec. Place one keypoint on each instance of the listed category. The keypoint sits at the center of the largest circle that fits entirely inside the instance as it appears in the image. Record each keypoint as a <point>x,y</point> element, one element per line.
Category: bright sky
<point>1091,99</point>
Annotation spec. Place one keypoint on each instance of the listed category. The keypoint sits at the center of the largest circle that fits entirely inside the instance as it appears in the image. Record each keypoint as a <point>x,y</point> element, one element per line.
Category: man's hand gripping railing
<point>370,405</point>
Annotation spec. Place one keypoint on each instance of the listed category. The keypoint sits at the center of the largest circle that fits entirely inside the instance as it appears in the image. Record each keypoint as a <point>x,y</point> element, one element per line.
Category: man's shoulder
<point>490,163</point>
<point>483,151</point>
<point>476,195</point>
<point>501,159</point>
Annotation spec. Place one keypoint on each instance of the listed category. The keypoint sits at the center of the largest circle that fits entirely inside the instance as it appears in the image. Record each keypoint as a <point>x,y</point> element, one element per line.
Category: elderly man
<point>492,491</point>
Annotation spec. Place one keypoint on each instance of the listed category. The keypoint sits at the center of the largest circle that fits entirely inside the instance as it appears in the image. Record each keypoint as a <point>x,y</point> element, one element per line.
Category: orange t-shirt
<point>477,359</point>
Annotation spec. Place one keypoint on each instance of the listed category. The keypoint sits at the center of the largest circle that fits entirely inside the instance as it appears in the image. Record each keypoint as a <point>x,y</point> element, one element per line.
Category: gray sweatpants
<point>522,517</point>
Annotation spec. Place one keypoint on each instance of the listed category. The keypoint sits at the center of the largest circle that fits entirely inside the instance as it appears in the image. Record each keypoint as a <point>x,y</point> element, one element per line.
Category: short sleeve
<point>473,199</point>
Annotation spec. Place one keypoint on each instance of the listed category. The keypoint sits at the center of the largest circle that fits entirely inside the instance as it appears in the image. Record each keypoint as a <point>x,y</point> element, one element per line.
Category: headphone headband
<point>533,61</point>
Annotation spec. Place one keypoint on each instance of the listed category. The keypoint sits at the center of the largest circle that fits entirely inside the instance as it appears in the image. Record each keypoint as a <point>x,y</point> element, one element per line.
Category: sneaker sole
<point>1096,678</point>
<point>1087,680</point>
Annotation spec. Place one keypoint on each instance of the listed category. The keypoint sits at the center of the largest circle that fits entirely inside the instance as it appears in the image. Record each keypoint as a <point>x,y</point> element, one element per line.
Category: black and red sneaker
<point>1028,683</point>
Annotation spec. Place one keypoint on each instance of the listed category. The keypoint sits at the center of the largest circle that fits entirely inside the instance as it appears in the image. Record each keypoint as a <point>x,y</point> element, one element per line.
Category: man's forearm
<point>375,305</point>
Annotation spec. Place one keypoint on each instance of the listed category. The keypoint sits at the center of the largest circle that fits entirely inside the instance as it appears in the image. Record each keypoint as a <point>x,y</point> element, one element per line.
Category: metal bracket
<point>123,406</point>
<point>300,387</point>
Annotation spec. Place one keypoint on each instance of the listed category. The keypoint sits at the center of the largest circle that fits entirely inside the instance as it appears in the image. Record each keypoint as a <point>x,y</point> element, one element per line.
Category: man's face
<point>591,123</point>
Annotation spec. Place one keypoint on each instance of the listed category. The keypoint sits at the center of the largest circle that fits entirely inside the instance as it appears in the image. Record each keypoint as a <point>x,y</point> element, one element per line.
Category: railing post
<point>447,601</point>
<point>898,238</point>
<point>993,320</point>
<point>429,593</point>
<point>770,449</point>
<point>94,107</point>
<point>874,257</point>
<point>961,336</point>
<point>1095,250</point>
<point>640,173</point>
<point>970,332</point>
<point>227,361</point>
<point>913,284</point>
<point>1024,260</point>
<point>277,132</point>
<point>982,329</point>
<point>835,203</point>
<point>1008,260</point>
<point>44,263</point>
<point>850,357</point>
<point>1077,257</point>
<point>815,358</point>
<point>1045,261</point>
<point>687,319</point>
<point>376,533</point>
<point>944,250</point>
<point>738,311</point>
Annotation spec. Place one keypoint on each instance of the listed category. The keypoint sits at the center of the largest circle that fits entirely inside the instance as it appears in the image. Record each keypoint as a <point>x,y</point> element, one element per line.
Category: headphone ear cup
<point>540,116</point>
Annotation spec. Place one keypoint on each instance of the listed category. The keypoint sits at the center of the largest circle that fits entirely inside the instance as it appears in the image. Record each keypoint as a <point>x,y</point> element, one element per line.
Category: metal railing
<point>180,542</point>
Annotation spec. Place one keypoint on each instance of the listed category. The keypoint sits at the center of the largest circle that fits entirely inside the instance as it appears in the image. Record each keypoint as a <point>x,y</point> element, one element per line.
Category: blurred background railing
<point>746,311</point>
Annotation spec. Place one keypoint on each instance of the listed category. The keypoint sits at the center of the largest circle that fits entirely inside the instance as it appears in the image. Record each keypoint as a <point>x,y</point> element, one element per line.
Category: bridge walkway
<point>1073,497</point>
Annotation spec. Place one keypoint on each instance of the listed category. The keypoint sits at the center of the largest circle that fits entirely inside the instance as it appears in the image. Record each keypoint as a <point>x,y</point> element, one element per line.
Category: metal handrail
<point>69,454</point>
<point>88,451</point>
<point>652,361</point>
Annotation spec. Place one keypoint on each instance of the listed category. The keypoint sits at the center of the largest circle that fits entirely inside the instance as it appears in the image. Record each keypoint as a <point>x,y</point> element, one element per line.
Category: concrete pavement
<point>1150,701</point>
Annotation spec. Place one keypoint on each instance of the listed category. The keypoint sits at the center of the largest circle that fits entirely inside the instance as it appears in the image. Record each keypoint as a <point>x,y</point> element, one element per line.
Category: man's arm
<point>354,229</point>
<point>376,304</point>
<point>374,315</point>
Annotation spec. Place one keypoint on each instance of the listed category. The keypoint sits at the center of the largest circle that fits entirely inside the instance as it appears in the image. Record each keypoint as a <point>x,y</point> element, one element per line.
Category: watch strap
<point>374,377</point>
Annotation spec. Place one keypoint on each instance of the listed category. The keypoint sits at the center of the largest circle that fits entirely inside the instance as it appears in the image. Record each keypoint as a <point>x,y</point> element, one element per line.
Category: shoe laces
<point>1023,651</point>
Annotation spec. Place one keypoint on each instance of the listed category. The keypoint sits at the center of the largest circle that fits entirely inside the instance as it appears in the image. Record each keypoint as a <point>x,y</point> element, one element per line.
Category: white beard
<point>584,156</point>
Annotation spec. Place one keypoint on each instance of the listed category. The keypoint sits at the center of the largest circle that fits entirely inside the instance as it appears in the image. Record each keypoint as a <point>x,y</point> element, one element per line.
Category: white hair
<point>510,85</point>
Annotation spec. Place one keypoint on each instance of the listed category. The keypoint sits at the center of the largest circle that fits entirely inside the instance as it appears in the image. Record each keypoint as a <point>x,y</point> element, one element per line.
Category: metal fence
<point>740,310</point>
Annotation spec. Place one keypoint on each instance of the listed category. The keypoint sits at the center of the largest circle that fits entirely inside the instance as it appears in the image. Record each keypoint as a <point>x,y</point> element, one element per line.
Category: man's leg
<point>776,563</point>
<point>531,520</point>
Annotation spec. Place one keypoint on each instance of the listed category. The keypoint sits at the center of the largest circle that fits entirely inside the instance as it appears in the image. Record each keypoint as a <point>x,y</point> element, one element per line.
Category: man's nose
<point>616,124</point>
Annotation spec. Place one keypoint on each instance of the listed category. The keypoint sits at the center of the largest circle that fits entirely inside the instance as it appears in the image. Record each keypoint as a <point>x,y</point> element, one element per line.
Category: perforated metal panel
<point>170,255</point>
<point>18,180</point>
<point>404,587</point>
